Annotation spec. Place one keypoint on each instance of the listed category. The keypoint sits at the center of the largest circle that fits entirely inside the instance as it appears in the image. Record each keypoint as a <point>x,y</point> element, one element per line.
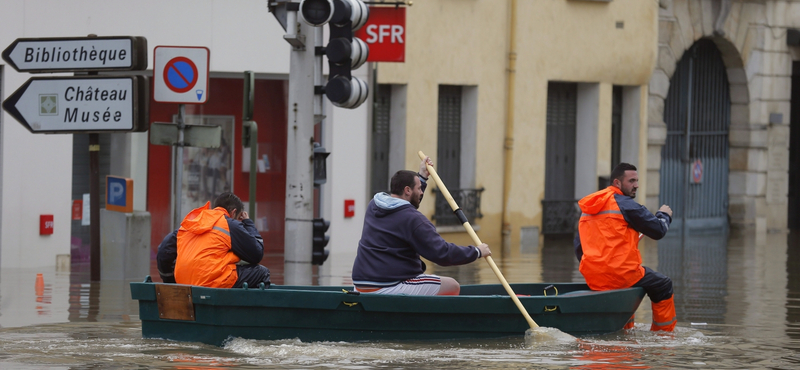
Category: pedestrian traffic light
<point>320,240</point>
<point>344,51</point>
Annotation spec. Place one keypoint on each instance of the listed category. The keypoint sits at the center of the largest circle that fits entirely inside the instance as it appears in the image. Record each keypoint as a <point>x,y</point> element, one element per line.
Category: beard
<point>415,201</point>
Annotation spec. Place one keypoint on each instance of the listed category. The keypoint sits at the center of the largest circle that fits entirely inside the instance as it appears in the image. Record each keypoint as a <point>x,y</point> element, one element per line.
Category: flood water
<point>737,299</point>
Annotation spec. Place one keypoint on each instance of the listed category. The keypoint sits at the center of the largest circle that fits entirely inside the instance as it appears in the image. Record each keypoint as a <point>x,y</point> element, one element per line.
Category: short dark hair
<point>400,180</point>
<point>229,201</point>
<point>619,172</point>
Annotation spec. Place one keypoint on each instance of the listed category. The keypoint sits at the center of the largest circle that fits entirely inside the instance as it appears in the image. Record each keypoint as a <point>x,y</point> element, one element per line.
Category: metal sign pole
<point>178,198</point>
<point>299,169</point>
<point>94,201</point>
<point>253,169</point>
<point>250,135</point>
<point>94,205</point>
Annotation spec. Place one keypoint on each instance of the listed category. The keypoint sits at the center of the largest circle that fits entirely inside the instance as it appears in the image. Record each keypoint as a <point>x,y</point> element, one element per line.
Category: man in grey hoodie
<point>396,234</point>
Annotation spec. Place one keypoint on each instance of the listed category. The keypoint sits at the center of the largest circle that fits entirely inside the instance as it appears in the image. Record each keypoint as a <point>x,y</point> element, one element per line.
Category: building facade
<point>546,97</point>
<point>45,174</point>
<point>525,106</point>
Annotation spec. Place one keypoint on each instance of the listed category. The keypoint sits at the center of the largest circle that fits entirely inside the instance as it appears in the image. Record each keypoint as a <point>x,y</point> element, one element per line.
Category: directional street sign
<point>55,54</point>
<point>180,74</point>
<point>81,104</point>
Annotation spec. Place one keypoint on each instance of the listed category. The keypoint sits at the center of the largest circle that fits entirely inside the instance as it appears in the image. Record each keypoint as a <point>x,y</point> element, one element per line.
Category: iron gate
<point>381,140</point>
<point>559,207</point>
<point>449,135</point>
<point>694,159</point>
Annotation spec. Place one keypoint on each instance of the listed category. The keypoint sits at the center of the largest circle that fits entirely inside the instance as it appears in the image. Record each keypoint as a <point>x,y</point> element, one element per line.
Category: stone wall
<point>758,64</point>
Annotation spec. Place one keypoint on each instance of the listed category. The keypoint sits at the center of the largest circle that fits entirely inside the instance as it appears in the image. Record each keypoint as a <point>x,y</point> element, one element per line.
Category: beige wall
<point>467,43</point>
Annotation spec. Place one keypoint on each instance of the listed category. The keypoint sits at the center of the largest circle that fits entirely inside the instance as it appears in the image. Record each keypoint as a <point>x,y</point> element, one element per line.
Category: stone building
<point>546,97</point>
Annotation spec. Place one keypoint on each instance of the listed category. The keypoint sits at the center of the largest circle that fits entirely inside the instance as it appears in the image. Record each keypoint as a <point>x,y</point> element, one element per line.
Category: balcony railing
<point>560,216</point>
<point>468,199</point>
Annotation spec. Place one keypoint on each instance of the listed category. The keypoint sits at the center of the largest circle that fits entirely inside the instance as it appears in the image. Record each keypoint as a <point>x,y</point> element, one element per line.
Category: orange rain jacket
<point>608,238</point>
<point>204,251</point>
<point>205,257</point>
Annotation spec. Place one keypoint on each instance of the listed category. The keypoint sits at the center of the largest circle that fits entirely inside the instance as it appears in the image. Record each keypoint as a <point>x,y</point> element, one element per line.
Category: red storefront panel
<point>225,101</point>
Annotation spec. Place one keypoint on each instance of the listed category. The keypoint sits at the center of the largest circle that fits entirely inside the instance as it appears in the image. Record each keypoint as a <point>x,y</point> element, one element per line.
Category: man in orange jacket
<point>607,244</point>
<point>214,247</point>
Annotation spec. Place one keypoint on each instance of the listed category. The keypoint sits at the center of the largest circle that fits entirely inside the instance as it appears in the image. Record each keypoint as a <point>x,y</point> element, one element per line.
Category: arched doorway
<point>694,159</point>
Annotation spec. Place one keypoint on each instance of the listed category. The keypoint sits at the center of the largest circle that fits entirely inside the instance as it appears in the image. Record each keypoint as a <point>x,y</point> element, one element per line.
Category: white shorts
<point>420,285</point>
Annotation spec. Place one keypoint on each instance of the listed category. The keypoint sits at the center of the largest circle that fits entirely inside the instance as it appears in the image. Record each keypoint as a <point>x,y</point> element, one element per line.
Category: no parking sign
<point>697,172</point>
<point>180,74</point>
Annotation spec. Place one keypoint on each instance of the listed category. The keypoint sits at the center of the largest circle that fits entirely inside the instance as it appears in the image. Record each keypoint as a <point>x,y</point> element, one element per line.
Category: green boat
<point>336,313</point>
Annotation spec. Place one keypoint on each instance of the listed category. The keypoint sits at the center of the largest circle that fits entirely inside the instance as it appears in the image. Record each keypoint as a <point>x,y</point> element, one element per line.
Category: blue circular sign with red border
<point>180,74</point>
<point>697,172</point>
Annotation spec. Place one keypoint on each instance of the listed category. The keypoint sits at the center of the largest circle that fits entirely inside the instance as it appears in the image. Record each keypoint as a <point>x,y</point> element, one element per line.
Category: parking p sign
<point>119,194</point>
<point>180,74</point>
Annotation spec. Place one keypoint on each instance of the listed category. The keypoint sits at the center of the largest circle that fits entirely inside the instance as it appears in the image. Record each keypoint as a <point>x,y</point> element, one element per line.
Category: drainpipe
<point>508,147</point>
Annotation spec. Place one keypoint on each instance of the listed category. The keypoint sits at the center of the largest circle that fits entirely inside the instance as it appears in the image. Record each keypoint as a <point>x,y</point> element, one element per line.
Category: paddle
<point>460,214</point>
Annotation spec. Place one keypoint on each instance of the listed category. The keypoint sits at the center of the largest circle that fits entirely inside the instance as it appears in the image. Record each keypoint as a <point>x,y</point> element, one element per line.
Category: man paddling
<point>607,244</point>
<point>396,234</point>
<point>215,247</point>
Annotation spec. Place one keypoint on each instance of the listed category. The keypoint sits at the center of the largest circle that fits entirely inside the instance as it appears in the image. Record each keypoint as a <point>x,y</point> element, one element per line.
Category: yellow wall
<point>462,42</point>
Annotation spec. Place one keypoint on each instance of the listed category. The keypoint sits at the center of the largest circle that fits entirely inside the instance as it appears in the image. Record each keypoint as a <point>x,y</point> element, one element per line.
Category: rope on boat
<point>547,309</point>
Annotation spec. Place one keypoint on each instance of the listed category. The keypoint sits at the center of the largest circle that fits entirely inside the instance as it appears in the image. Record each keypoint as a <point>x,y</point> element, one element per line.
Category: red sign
<point>697,172</point>
<point>349,208</point>
<point>45,224</point>
<point>385,34</point>
<point>77,209</point>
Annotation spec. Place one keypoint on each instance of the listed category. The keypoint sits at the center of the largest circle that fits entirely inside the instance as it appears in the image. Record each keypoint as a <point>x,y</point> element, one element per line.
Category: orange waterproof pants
<point>664,318</point>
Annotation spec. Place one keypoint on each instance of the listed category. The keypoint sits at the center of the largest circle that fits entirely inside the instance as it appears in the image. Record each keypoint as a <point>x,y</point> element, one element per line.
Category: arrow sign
<point>81,104</point>
<point>56,54</point>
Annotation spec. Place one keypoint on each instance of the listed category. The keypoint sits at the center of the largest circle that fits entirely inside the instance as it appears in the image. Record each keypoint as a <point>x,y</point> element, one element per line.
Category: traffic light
<point>320,240</point>
<point>345,52</point>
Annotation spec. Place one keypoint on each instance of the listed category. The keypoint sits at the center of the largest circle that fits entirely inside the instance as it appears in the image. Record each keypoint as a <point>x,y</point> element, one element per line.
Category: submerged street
<point>737,298</point>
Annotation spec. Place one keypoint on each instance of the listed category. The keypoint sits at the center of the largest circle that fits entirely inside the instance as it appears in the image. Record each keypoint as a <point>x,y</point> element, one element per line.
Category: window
<point>449,144</point>
<point>457,145</point>
<point>381,139</point>
<point>559,205</point>
<point>616,127</point>
<point>388,135</point>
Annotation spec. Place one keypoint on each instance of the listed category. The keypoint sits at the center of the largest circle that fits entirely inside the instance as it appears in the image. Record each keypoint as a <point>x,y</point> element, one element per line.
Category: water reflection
<point>793,286</point>
<point>744,288</point>
<point>559,263</point>
<point>698,267</point>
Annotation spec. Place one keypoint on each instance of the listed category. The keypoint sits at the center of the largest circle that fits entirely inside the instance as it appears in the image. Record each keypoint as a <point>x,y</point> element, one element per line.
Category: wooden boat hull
<point>314,313</point>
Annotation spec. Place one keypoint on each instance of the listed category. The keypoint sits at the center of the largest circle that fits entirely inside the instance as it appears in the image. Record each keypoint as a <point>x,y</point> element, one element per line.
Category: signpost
<point>180,75</point>
<point>119,194</point>
<point>166,133</point>
<point>697,172</point>
<point>81,104</point>
<point>70,54</point>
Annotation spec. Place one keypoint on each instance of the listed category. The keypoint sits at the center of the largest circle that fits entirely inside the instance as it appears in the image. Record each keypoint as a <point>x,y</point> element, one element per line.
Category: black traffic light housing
<point>344,51</point>
<point>320,166</point>
<point>318,252</point>
<point>316,12</point>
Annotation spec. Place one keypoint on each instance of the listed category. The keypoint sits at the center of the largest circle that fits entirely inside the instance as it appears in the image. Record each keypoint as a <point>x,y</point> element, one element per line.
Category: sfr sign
<point>385,33</point>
